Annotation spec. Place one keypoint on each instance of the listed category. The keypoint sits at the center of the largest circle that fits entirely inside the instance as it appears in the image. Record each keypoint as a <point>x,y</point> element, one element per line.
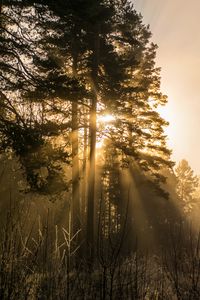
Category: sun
<point>105,122</point>
<point>106,118</point>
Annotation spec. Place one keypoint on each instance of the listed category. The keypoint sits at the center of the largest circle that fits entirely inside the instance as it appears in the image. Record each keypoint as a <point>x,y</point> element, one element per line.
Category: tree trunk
<point>91,183</point>
<point>92,144</point>
<point>84,168</point>
<point>75,171</point>
<point>76,223</point>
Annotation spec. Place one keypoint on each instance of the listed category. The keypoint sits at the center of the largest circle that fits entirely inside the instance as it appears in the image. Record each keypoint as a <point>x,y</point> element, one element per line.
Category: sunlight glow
<point>104,122</point>
<point>99,144</point>
<point>106,118</point>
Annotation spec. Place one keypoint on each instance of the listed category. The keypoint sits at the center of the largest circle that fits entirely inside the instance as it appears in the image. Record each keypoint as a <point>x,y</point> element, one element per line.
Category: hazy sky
<point>175,25</point>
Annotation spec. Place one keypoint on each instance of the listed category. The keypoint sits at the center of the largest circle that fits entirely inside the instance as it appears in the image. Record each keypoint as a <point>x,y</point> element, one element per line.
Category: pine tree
<point>140,95</point>
<point>18,125</point>
<point>22,125</point>
<point>187,184</point>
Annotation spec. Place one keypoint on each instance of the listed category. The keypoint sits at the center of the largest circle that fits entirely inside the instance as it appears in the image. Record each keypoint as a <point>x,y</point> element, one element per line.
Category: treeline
<point>64,65</point>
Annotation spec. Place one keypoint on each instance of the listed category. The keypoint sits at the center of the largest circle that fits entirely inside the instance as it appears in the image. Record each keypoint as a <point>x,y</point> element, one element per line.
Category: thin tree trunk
<point>91,183</point>
<point>92,143</point>
<point>84,168</point>
<point>76,224</point>
<point>75,171</point>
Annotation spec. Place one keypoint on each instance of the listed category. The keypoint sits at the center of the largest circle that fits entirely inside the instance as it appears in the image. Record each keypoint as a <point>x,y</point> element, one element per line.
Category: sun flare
<point>106,118</point>
<point>104,121</point>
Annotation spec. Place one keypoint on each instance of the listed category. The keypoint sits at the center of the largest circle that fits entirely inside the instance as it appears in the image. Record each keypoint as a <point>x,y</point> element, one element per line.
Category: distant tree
<point>197,191</point>
<point>187,184</point>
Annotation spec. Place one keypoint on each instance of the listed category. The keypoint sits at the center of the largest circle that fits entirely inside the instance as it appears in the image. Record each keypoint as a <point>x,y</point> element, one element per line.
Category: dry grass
<point>44,264</point>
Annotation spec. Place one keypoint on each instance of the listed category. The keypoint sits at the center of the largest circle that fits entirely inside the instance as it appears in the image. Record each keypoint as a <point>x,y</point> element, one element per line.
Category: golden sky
<point>175,25</point>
